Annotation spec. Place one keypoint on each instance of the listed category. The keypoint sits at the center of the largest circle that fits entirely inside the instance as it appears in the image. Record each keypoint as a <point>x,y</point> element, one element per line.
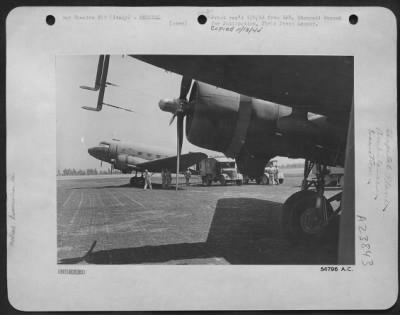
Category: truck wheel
<point>239,182</point>
<point>264,180</point>
<point>222,180</point>
<point>301,219</point>
<point>209,182</point>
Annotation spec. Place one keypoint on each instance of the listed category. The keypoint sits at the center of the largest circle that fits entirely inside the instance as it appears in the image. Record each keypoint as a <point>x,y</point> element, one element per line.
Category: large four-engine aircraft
<point>128,157</point>
<point>255,107</point>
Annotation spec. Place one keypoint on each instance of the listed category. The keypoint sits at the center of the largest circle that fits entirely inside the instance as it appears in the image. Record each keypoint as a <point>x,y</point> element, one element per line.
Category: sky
<point>141,86</point>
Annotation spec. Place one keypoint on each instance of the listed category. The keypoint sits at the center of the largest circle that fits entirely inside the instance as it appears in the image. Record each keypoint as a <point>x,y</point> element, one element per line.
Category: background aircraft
<point>253,108</point>
<point>128,157</point>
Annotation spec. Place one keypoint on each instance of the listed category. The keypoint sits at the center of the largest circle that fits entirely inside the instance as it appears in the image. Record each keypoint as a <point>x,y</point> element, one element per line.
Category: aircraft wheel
<point>301,219</point>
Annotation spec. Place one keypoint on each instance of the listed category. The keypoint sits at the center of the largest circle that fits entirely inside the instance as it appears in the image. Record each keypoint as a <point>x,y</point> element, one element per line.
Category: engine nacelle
<point>211,122</point>
<point>253,130</point>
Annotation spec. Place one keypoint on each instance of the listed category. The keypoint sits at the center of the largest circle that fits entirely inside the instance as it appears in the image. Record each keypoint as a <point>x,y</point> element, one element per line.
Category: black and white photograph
<point>260,144</point>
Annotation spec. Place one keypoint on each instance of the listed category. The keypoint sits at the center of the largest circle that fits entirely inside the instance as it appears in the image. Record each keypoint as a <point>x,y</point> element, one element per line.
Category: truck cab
<point>220,169</point>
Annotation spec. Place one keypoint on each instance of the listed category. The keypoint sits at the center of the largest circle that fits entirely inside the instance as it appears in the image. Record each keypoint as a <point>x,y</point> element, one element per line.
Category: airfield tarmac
<point>104,220</point>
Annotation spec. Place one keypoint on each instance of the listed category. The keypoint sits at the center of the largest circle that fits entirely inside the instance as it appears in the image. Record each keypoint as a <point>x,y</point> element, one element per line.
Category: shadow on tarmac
<point>243,231</point>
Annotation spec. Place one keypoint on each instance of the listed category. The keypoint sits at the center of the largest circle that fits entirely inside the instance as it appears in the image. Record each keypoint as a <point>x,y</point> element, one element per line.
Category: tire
<point>209,182</point>
<point>140,181</point>
<point>301,220</point>
<point>264,180</point>
<point>239,182</point>
<point>222,180</point>
<point>280,180</point>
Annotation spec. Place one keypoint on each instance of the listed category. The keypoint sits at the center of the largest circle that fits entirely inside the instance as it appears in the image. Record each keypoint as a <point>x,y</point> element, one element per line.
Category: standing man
<point>169,178</point>
<point>188,174</point>
<point>163,179</point>
<point>275,175</point>
<point>147,179</point>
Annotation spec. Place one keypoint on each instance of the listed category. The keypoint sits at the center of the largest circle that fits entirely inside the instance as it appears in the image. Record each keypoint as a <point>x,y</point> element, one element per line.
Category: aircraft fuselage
<point>124,156</point>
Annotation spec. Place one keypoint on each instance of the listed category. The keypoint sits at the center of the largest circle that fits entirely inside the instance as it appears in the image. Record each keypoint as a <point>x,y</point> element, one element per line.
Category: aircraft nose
<point>91,151</point>
<point>96,152</point>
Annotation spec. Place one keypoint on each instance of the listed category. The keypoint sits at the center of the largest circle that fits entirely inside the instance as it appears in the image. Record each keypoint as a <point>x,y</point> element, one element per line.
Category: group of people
<point>166,178</point>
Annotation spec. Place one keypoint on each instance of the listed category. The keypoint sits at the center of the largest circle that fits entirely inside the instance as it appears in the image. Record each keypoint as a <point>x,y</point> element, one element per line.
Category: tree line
<point>88,171</point>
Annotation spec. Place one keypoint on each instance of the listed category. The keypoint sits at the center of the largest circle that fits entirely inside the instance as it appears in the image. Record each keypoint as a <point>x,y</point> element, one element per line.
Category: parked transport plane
<point>128,157</point>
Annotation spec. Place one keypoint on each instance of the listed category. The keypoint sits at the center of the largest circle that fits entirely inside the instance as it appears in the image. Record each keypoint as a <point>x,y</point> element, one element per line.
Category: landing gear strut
<point>137,181</point>
<point>307,213</point>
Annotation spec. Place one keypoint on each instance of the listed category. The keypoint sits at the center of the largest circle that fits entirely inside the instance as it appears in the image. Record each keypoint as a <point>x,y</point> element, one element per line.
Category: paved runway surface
<point>103,220</point>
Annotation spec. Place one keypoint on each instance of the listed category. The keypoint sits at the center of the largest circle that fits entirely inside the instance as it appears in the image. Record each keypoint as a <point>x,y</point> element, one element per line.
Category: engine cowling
<point>211,121</point>
<point>253,130</point>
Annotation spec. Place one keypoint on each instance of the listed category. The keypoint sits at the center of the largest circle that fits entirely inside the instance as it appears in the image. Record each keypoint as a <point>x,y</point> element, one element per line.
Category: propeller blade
<point>179,131</point>
<point>112,84</point>
<point>185,87</point>
<point>98,76</point>
<point>179,127</point>
<point>172,119</point>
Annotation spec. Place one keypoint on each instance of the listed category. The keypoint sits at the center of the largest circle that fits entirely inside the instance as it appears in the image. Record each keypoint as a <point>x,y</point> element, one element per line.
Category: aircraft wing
<point>169,163</point>
<point>318,84</point>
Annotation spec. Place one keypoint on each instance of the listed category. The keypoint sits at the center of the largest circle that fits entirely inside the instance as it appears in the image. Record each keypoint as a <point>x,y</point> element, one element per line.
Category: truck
<point>269,173</point>
<point>220,169</point>
<point>334,176</point>
<point>272,170</point>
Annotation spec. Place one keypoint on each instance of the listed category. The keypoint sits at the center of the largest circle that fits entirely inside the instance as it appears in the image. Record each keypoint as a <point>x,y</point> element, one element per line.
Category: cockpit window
<point>104,144</point>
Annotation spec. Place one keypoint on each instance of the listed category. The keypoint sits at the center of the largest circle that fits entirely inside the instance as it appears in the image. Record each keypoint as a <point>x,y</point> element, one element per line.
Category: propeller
<point>100,85</point>
<point>179,108</point>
